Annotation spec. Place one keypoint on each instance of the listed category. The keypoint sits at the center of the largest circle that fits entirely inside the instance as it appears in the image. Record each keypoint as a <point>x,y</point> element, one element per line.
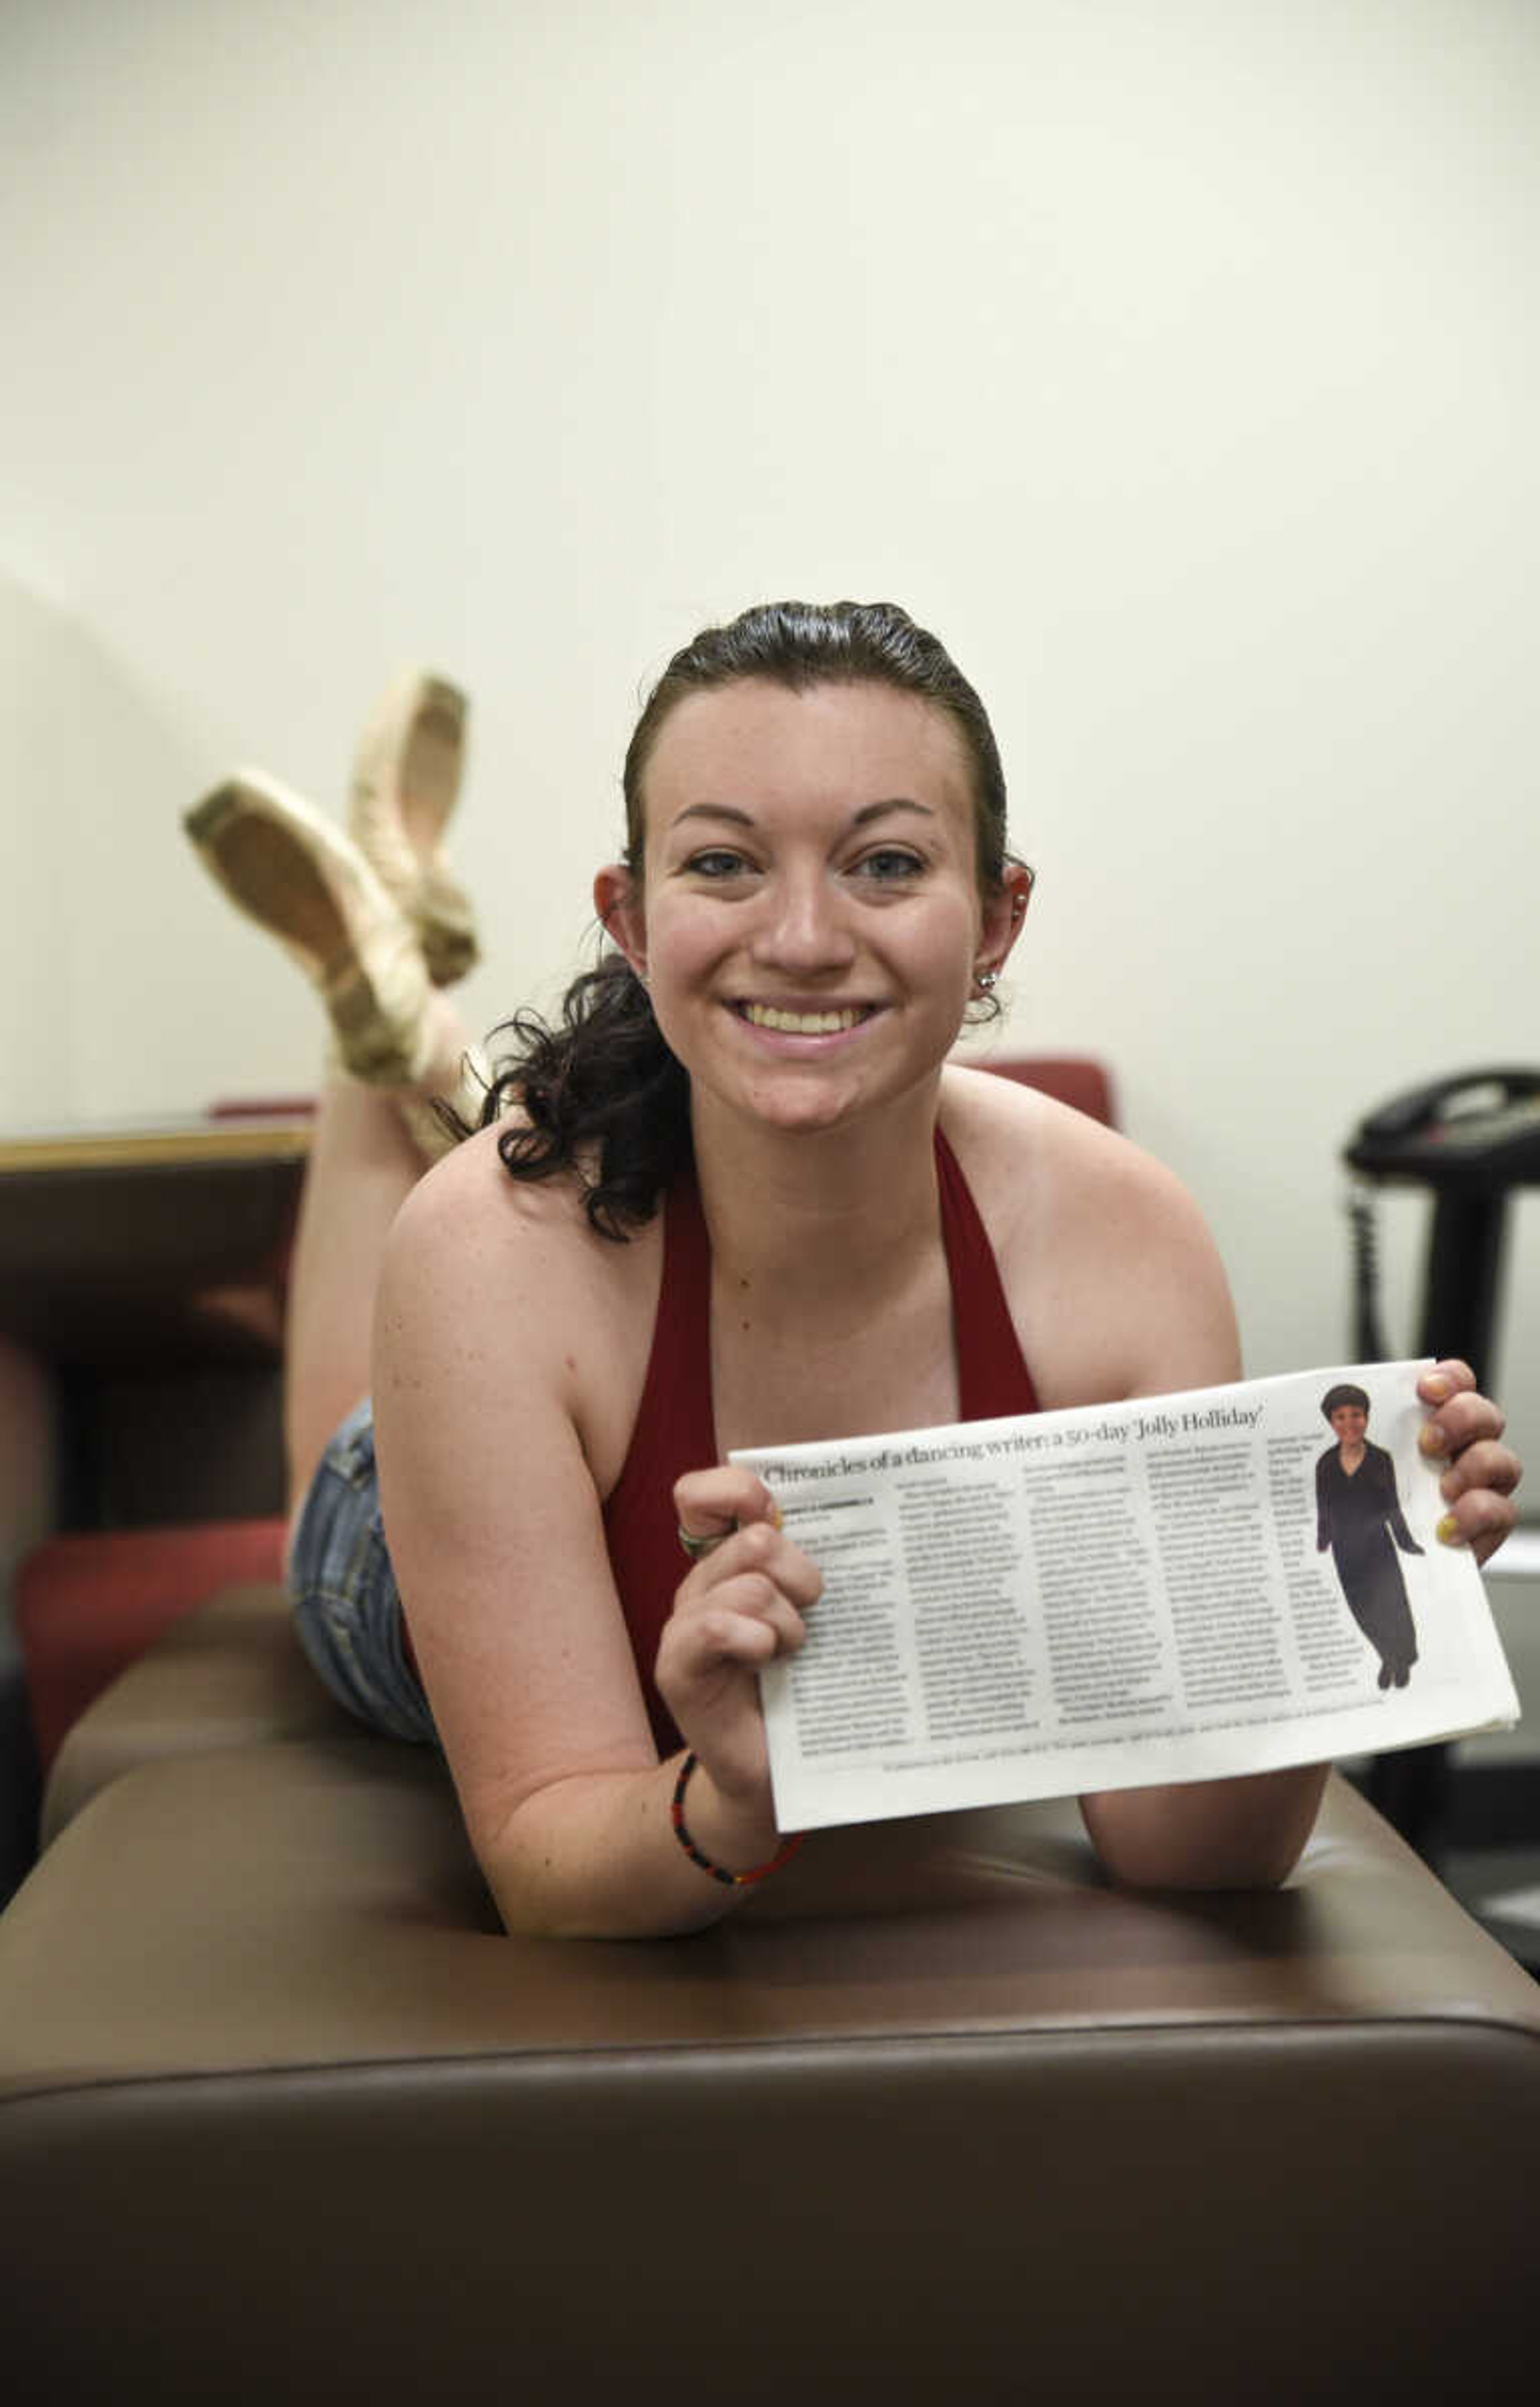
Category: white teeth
<point>801,1023</point>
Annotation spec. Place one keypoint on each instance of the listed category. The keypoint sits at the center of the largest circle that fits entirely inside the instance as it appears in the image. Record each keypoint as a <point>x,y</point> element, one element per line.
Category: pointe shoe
<point>302,880</point>
<point>406,775</point>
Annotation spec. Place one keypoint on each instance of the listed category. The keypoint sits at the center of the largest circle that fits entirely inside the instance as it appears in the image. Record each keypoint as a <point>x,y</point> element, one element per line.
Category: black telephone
<point>1479,1128</point>
<point>1470,1137</point>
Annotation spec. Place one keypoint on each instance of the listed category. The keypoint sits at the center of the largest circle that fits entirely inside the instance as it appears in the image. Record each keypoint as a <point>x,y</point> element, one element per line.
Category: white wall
<point>37,956</point>
<point>1178,363</point>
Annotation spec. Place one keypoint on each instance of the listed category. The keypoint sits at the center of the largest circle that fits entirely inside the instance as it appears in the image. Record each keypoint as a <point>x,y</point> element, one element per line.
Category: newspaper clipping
<point>1229,1580</point>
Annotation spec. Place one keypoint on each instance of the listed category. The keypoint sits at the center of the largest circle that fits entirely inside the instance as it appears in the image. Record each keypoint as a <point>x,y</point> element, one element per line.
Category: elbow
<point>527,1917</point>
<point>1246,1873</point>
<point>1201,1875</point>
<point>552,1890</point>
<point>545,1909</point>
<point>535,1901</point>
<point>1245,1832</point>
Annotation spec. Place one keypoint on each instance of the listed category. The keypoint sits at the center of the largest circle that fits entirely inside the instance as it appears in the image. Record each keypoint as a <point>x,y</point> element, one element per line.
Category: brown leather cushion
<point>938,2114</point>
<point>230,1674</point>
<point>348,1855</point>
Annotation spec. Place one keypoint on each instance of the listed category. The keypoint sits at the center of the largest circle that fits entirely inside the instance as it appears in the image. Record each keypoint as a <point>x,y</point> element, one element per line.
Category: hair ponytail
<point>599,1093</point>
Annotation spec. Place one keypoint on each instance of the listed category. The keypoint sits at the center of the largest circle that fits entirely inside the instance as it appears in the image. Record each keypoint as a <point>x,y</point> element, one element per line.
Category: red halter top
<point>676,1429</point>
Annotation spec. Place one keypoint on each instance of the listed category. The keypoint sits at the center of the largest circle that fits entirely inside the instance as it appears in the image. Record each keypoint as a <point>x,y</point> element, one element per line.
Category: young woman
<point>740,1196</point>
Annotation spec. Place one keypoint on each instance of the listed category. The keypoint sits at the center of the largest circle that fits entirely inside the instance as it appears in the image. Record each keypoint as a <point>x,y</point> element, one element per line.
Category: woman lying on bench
<point>738,1196</point>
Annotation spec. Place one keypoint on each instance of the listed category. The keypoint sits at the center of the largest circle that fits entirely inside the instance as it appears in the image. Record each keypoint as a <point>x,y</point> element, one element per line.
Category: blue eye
<point>890,866</point>
<point>718,863</point>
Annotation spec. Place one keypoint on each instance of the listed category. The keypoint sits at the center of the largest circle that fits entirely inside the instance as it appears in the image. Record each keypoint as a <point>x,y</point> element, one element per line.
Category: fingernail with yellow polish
<point>1449,1530</point>
<point>1432,1440</point>
<point>1437,1386</point>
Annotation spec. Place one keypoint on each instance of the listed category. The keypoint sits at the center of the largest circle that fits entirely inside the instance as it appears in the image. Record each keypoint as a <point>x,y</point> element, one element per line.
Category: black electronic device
<point>1470,1137</point>
<point>1478,1127</point>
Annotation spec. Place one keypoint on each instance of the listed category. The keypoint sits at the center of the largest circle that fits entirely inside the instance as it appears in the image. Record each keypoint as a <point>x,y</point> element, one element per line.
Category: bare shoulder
<point>1026,1156</point>
<point>1114,1280</point>
<point>488,1278</point>
<point>466,1216</point>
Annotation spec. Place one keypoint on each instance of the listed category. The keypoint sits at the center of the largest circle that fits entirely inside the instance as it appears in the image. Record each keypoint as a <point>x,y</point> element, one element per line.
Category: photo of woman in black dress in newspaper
<point>1358,1514</point>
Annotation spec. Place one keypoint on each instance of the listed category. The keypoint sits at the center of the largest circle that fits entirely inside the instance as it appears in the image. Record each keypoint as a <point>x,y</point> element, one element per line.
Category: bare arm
<point>492,1338</point>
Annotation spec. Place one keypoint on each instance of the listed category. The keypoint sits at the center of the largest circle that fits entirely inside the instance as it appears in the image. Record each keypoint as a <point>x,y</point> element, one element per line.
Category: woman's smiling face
<point>811,922</point>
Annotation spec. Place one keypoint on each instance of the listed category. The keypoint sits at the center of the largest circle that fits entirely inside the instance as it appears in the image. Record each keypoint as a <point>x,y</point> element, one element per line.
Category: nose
<point>802,926</point>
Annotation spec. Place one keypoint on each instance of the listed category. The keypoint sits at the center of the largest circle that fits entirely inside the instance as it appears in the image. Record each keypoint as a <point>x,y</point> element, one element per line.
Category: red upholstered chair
<point>1069,1078</point>
<point>200,1317</point>
<point>87,1604</point>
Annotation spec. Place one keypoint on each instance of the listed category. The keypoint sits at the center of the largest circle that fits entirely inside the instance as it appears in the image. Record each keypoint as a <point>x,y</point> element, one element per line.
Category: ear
<point>617,902</point>
<point>1003,916</point>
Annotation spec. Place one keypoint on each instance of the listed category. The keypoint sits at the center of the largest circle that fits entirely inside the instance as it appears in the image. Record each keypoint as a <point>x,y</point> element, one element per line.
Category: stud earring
<point>986,980</point>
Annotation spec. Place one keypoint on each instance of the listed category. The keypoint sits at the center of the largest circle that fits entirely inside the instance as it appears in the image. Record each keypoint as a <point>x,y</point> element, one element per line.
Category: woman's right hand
<point>739,1607</point>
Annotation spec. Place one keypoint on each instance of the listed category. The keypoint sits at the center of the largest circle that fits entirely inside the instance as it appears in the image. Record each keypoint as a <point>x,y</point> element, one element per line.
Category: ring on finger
<point>697,1548</point>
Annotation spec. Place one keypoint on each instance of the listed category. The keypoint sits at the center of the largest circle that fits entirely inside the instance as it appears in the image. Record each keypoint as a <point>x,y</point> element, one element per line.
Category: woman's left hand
<point>1478,1484</point>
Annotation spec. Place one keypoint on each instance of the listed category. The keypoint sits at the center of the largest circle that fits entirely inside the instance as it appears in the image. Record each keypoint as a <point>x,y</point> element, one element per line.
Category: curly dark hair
<point>600,1085</point>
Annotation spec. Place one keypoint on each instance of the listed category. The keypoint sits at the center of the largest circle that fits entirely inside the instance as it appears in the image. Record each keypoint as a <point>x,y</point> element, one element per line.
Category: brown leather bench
<point>940,2114</point>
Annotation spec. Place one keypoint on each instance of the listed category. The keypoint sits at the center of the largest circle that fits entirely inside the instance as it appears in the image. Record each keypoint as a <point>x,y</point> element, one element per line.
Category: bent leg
<point>370,1147</point>
<point>363,1164</point>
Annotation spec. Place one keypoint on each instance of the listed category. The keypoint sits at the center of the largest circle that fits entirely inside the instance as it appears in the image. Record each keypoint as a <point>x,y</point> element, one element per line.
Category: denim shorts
<point>347,1604</point>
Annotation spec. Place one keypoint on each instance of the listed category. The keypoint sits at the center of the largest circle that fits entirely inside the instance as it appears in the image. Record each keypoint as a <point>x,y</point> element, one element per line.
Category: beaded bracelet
<point>784,1853</point>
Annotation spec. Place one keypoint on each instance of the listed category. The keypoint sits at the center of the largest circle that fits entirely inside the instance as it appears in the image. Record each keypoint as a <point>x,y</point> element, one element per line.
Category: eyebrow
<point>746,818</point>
